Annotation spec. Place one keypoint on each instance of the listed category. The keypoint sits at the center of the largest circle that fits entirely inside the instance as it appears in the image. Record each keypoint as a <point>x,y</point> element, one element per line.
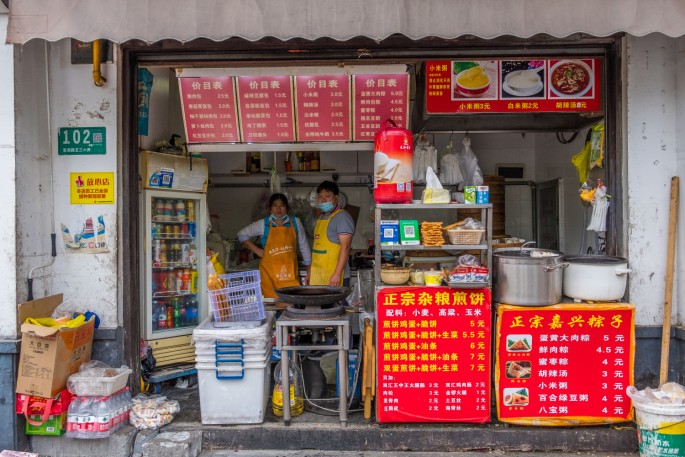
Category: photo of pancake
<point>516,397</point>
<point>519,343</point>
<point>518,369</point>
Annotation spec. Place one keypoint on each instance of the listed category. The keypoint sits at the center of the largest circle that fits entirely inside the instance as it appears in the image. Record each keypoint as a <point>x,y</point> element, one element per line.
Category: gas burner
<point>294,311</point>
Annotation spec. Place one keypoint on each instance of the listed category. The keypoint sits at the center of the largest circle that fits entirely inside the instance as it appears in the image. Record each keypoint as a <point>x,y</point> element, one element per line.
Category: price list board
<point>322,108</point>
<point>209,109</point>
<point>266,109</point>
<point>564,365</point>
<point>378,97</point>
<point>433,354</point>
<point>519,85</point>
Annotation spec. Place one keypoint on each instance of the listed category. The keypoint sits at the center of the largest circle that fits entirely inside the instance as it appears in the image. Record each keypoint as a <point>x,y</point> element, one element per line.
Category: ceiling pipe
<point>98,79</point>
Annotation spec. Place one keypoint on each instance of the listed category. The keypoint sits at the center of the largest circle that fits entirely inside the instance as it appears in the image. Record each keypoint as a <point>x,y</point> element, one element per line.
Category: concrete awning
<point>186,20</point>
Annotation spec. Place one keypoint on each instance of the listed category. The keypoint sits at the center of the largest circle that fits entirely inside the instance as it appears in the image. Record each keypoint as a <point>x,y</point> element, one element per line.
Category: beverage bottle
<point>190,210</point>
<point>72,417</point>
<point>161,316</point>
<point>177,312</point>
<point>159,210</point>
<point>180,210</point>
<point>127,403</point>
<point>168,211</point>
<point>315,161</point>
<point>156,252</point>
<point>185,253</point>
<point>103,415</point>
<point>179,279</point>
<point>295,396</point>
<point>115,413</point>
<point>86,418</point>
<point>169,316</point>
<point>186,280</point>
<point>193,281</point>
<point>163,258</point>
<point>155,315</point>
<point>184,313</point>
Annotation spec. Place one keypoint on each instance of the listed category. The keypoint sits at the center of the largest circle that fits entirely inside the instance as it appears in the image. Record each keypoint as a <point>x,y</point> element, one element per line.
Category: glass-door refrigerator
<point>175,300</point>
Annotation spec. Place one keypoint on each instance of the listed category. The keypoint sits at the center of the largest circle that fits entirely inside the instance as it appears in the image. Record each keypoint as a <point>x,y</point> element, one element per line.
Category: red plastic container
<point>392,164</point>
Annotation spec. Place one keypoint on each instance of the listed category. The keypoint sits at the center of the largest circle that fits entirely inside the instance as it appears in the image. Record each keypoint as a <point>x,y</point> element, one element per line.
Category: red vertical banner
<point>266,109</point>
<point>322,107</point>
<point>209,109</point>
<point>377,98</point>
<point>433,354</point>
<point>564,365</point>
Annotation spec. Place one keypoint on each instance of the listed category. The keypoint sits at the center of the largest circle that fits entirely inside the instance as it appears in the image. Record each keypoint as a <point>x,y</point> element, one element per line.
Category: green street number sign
<point>81,141</point>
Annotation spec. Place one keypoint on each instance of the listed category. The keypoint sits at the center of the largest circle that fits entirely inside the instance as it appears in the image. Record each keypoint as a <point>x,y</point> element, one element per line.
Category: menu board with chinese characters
<point>564,364</point>
<point>378,98</point>
<point>323,107</point>
<point>513,86</point>
<point>266,109</point>
<point>433,354</point>
<point>209,109</point>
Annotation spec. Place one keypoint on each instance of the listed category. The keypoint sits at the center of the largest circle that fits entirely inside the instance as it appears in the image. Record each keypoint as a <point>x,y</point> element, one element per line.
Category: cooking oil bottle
<point>295,381</point>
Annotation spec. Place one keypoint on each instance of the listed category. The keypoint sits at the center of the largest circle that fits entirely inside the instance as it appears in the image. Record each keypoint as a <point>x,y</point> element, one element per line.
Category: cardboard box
<point>172,172</point>
<point>470,193</point>
<point>50,355</point>
<point>483,195</point>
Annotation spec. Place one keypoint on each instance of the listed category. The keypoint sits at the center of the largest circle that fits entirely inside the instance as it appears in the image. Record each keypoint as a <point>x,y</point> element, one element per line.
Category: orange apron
<point>278,267</point>
<point>324,254</point>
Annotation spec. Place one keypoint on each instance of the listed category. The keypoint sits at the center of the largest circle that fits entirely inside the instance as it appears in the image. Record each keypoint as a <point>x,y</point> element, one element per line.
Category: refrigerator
<point>174,268</point>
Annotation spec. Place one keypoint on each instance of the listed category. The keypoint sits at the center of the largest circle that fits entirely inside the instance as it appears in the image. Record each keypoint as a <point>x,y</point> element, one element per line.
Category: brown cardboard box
<point>50,355</point>
<point>172,172</point>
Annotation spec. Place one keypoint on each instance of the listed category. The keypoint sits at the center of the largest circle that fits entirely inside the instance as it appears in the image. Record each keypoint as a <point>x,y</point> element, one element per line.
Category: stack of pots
<point>538,277</point>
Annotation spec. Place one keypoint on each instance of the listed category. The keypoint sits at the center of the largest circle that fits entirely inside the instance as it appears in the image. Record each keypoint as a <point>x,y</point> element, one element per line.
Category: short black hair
<point>281,197</point>
<point>328,185</point>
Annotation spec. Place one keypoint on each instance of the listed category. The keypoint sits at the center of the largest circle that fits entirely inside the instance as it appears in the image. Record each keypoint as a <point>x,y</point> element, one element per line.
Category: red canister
<point>392,164</point>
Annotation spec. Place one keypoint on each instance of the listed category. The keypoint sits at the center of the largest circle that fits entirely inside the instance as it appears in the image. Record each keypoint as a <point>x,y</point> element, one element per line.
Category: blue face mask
<point>278,218</point>
<point>326,207</point>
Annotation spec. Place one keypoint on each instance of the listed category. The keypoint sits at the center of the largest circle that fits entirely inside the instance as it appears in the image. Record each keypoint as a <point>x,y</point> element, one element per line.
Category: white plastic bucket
<point>661,429</point>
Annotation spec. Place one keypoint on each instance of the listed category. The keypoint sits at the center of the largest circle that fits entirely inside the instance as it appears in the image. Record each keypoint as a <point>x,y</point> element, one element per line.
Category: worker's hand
<point>336,280</point>
<point>306,279</point>
<point>259,252</point>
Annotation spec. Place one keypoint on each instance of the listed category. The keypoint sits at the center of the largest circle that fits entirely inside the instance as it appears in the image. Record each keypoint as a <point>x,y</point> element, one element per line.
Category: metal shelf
<point>444,247</point>
<point>261,147</point>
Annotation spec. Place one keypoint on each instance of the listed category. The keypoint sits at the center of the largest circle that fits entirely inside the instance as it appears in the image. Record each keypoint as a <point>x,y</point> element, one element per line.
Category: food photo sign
<point>564,365</point>
<point>513,86</point>
<point>433,354</point>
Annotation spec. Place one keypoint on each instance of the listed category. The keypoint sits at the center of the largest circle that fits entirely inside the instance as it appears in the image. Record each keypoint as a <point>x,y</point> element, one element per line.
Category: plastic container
<point>661,427</point>
<point>82,385</point>
<point>241,300</point>
<point>392,164</point>
<point>432,278</point>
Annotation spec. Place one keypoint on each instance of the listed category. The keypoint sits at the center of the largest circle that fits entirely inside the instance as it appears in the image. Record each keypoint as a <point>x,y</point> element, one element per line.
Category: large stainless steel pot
<point>595,277</point>
<point>527,277</point>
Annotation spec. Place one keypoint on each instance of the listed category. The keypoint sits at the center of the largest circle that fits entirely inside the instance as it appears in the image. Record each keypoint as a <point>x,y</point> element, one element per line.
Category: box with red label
<point>49,354</point>
<point>44,416</point>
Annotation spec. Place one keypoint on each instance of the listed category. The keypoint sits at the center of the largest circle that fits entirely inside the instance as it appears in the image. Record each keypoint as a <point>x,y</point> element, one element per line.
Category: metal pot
<point>527,277</point>
<point>595,277</point>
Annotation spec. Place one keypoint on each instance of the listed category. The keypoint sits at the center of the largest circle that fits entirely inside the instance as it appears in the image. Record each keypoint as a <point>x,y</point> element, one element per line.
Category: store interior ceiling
<point>538,147</point>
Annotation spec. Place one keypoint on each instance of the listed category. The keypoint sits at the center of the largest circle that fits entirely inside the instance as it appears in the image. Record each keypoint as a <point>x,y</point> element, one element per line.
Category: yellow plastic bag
<point>218,268</point>
<point>582,162</point>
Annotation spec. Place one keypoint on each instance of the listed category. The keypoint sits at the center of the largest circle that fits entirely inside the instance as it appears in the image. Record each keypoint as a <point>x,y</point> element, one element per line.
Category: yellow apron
<point>324,254</point>
<point>278,267</point>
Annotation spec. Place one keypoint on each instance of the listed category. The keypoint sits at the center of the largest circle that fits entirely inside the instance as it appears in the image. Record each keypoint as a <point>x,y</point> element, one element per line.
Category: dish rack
<point>240,300</point>
<point>465,236</point>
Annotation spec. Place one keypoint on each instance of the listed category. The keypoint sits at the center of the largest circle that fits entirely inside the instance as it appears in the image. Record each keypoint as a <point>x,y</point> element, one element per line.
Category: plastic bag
<point>434,193</point>
<point>153,411</point>
<point>582,161</point>
<point>468,162</point>
<point>597,145</point>
<point>425,155</point>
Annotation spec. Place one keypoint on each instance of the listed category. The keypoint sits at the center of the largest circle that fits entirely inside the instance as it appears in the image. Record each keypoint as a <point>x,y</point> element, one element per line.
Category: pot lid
<point>595,259</point>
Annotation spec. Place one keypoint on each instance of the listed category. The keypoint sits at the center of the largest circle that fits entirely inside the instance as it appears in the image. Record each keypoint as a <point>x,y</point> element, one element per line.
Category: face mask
<point>278,218</point>
<point>326,207</point>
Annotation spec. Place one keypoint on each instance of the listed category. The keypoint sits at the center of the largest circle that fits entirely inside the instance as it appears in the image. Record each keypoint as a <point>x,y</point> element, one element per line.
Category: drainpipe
<point>98,79</point>
<point>53,236</point>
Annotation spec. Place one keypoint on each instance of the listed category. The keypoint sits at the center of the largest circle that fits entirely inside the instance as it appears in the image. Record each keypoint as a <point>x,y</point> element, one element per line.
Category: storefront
<point>629,105</point>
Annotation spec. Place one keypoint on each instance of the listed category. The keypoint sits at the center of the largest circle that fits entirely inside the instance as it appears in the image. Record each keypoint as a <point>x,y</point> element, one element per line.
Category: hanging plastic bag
<point>468,162</point>
<point>597,145</point>
<point>582,160</point>
<point>600,209</point>
<point>434,193</point>
<point>425,155</point>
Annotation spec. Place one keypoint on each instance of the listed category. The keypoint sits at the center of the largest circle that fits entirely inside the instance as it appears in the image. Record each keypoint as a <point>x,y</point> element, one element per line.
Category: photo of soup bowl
<point>473,82</point>
<point>570,78</point>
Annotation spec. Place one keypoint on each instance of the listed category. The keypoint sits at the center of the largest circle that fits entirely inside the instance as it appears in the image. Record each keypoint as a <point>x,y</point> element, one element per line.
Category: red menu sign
<point>323,107</point>
<point>564,364</point>
<point>513,86</point>
<point>266,109</point>
<point>433,355</point>
<point>377,98</point>
<point>209,109</point>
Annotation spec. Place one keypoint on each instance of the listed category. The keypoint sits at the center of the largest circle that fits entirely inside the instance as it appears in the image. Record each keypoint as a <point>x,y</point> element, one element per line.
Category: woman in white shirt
<point>281,234</point>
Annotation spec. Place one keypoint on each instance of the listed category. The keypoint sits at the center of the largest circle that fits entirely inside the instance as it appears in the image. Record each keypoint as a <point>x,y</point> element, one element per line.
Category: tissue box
<point>483,195</point>
<point>390,233</point>
<point>470,194</point>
